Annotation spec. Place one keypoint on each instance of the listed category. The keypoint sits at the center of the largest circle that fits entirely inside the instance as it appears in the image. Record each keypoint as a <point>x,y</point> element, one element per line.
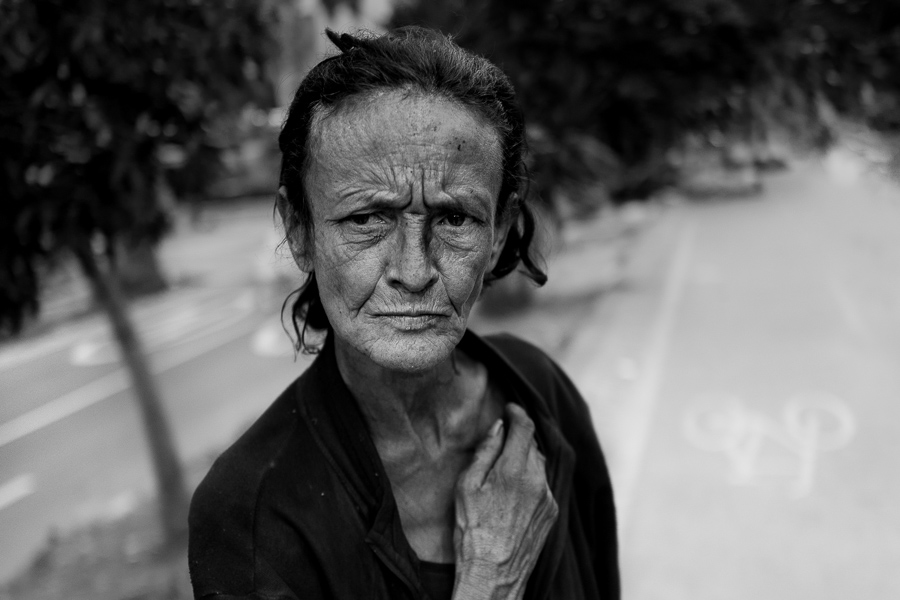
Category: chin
<point>412,352</point>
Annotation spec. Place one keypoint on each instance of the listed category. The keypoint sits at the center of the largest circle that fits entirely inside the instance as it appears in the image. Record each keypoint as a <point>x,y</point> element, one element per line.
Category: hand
<point>504,511</point>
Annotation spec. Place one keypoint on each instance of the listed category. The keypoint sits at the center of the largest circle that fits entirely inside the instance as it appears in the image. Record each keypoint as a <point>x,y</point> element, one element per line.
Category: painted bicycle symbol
<point>811,423</point>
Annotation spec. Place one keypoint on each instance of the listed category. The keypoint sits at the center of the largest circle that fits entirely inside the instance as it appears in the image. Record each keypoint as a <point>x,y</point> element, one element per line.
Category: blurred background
<point>720,218</point>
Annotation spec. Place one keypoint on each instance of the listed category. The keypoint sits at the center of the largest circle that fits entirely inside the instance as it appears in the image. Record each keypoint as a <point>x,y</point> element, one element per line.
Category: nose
<point>411,267</point>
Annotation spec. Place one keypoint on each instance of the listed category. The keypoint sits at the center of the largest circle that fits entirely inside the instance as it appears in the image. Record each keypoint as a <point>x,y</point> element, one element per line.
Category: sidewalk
<point>229,246</point>
<point>584,262</point>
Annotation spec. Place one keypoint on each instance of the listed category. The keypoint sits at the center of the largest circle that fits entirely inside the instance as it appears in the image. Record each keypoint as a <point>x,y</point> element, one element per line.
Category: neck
<point>425,405</point>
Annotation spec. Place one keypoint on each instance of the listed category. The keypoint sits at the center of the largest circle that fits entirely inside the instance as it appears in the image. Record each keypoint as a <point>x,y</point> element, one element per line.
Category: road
<point>742,377</point>
<point>71,445</point>
<point>745,384</point>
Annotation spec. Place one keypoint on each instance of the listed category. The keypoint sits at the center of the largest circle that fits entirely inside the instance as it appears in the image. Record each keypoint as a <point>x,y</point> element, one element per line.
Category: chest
<point>425,497</point>
<point>424,469</point>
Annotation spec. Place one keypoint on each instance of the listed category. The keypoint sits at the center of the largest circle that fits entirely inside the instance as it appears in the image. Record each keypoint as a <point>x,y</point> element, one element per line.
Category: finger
<point>535,454</point>
<point>520,437</point>
<point>537,461</point>
<point>486,454</point>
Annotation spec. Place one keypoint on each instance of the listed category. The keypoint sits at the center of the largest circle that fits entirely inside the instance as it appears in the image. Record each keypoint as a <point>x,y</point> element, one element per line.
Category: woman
<point>413,459</point>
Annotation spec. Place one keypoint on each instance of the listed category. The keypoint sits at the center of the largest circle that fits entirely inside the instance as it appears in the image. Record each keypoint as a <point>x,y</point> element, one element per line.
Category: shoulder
<point>224,506</point>
<point>556,391</point>
<point>525,356</point>
<point>537,368</point>
<point>514,346</point>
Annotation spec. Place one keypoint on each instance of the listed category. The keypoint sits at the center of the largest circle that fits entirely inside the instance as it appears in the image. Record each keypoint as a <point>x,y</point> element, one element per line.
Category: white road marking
<point>16,489</point>
<point>812,423</point>
<point>182,326</point>
<point>270,340</point>
<point>105,387</point>
<point>643,402</point>
<point>817,422</point>
<point>120,505</point>
<point>62,407</point>
<point>18,353</point>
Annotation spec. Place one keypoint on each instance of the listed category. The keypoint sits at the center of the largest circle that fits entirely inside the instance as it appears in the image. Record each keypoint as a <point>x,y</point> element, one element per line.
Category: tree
<point>834,50</point>
<point>638,75</point>
<point>634,74</point>
<point>91,93</point>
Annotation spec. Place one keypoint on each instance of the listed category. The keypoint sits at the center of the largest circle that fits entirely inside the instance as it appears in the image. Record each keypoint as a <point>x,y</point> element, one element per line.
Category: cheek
<point>463,272</point>
<point>346,279</point>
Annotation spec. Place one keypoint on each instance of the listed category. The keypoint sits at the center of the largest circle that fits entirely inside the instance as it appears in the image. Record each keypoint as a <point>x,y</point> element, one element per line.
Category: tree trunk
<point>138,269</point>
<point>173,498</point>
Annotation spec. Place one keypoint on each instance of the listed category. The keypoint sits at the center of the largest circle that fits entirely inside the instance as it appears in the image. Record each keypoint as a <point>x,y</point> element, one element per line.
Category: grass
<point>121,558</point>
<point>115,560</point>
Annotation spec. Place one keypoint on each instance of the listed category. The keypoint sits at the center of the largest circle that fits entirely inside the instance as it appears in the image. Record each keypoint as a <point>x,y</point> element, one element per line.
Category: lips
<point>401,309</point>
<point>422,313</point>
<point>411,320</point>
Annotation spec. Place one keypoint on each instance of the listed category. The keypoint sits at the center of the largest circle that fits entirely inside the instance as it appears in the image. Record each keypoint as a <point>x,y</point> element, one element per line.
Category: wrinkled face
<point>403,190</point>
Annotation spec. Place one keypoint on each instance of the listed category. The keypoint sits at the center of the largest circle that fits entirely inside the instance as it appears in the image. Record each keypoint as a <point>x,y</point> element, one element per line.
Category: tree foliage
<point>843,51</point>
<point>640,74</point>
<point>91,94</point>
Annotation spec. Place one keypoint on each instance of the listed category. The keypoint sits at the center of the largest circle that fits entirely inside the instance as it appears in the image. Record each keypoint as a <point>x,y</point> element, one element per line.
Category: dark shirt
<point>300,506</point>
<point>437,579</point>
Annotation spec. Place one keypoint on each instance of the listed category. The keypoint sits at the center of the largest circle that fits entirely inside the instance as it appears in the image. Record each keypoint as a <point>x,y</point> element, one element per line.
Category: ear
<point>501,231</point>
<point>295,233</point>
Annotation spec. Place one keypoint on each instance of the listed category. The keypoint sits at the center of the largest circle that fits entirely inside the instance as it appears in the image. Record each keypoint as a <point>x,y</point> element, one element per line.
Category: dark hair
<point>420,60</point>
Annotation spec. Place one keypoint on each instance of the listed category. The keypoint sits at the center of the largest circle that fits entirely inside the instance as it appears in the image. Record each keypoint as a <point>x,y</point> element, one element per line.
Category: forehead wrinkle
<point>354,109</point>
<point>347,143</point>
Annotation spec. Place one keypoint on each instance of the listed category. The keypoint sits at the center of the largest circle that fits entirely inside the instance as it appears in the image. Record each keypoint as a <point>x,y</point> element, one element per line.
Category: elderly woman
<point>413,459</point>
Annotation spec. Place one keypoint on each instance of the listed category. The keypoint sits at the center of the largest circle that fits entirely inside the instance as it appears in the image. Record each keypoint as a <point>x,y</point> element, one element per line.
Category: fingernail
<point>498,425</point>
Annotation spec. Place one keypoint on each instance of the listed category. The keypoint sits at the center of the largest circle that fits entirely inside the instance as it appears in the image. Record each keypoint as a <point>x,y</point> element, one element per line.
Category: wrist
<point>485,582</point>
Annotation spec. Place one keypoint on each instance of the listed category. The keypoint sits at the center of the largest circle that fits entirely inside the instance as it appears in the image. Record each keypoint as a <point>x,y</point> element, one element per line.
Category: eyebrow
<point>376,198</point>
<point>464,199</point>
<point>474,204</point>
<point>464,195</point>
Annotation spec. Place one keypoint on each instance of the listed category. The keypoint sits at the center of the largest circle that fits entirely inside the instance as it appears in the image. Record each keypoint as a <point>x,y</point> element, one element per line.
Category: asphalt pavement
<point>744,384</point>
<point>72,450</point>
<point>739,357</point>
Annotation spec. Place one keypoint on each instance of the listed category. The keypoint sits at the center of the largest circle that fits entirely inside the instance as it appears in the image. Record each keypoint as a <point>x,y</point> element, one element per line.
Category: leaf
<point>89,90</point>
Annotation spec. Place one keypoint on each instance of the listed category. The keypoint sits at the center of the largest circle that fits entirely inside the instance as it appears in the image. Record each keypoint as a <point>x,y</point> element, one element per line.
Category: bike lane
<point>768,450</point>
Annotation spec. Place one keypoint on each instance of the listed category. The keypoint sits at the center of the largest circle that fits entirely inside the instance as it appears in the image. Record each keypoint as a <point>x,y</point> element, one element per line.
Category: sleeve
<point>593,492</point>
<point>593,483</point>
<point>243,543</point>
<point>220,537</point>
<point>223,560</point>
<point>593,486</point>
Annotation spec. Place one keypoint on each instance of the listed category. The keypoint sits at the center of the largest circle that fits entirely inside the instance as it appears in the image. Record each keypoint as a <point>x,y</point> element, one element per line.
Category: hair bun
<point>344,41</point>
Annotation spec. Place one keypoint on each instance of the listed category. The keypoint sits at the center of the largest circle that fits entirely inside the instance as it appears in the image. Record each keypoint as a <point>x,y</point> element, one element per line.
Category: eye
<point>455,219</point>
<point>360,219</point>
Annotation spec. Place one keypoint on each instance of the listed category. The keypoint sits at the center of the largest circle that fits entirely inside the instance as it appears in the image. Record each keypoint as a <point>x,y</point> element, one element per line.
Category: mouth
<point>411,313</point>
<point>411,320</point>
